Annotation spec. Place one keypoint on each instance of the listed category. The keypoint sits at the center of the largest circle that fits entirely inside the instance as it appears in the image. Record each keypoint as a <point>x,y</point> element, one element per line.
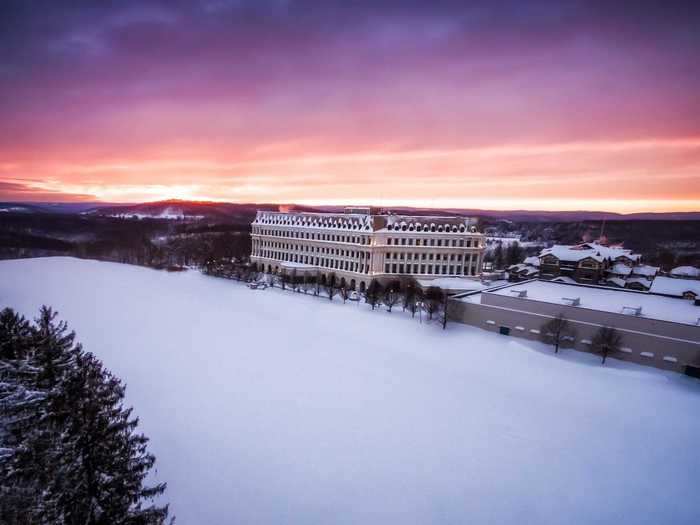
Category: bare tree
<point>284,279</point>
<point>331,286</point>
<point>556,332</point>
<point>607,340</point>
<point>308,284</point>
<point>408,293</point>
<point>415,301</point>
<point>433,301</point>
<point>445,310</point>
<point>344,292</point>
<point>391,297</point>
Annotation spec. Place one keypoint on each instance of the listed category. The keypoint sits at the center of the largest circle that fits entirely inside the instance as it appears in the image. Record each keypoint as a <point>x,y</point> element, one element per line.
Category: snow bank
<point>272,407</point>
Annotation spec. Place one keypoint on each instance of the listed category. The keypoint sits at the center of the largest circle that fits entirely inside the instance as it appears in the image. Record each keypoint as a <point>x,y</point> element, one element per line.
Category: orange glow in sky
<point>524,105</point>
<point>591,176</point>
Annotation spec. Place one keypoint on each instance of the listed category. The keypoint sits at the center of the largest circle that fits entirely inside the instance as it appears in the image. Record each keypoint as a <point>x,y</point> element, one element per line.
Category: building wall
<point>363,247</point>
<point>646,341</point>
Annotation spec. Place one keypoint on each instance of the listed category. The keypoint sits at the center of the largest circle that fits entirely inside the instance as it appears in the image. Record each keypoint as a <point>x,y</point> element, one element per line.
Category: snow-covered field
<point>272,407</point>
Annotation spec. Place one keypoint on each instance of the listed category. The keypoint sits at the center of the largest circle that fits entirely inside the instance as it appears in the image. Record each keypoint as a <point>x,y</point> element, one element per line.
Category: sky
<point>495,105</point>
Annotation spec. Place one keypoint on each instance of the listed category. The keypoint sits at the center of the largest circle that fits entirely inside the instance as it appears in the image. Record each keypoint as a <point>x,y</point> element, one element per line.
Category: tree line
<point>559,332</point>
<point>69,449</point>
<point>406,292</point>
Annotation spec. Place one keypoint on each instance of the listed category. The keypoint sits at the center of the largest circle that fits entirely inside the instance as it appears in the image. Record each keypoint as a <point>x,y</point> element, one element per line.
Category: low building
<point>364,244</point>
<point>587,263</point>
<point>685,272</point>
<point>660,331</point>
<point>457,285</point>
<point>681,288</point>
<point>522,272</point>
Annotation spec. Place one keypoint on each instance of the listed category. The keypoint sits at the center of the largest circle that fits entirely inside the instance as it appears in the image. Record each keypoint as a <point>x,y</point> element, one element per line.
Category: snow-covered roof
<point>594,250</point>
<point>532,261</point>
<point>453,283</point>
<point>564,279</point>
<point>617,281</point>
<point>685,271</point>
<point>336,221</point>
<point>643,281</point>
<point>365,222</point>
<point>524,269</point>
<point>568,253</point>
<point>645,270</point>
<point>429,224</point>
<point>610,252</point>
<point>620,269</point>
<point>676,287</point>
<point>608,299</point>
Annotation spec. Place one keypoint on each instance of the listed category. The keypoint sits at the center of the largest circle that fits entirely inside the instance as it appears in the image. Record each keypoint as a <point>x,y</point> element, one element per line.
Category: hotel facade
<point>364,244</point>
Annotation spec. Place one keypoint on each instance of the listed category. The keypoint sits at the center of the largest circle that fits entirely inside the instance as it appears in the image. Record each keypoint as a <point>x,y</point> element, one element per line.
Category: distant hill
<point>226,211</point>
<point>50,207</point>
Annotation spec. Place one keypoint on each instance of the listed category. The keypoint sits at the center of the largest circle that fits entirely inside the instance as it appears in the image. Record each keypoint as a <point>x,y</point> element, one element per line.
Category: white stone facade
<point>359,247</point>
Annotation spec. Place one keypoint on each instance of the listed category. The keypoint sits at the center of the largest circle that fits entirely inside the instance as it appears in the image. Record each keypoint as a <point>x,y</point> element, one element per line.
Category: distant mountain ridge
<point>211,210</point>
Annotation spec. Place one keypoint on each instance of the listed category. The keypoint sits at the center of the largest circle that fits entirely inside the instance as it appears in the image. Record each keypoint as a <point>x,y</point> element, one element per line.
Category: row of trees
<point>69,451</point>
<point>404,292</point>
<point>559,332</point>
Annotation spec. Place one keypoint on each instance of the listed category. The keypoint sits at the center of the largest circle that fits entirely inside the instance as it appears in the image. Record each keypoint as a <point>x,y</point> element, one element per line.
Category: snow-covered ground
<point>272,407</point>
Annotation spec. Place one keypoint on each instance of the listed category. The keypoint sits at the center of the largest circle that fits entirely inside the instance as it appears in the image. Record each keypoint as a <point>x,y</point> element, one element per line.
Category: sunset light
<point>505,107</point>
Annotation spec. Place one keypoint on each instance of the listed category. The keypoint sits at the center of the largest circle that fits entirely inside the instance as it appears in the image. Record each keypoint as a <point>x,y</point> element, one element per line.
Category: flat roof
<point>453,283</point>
<point>605,299</point>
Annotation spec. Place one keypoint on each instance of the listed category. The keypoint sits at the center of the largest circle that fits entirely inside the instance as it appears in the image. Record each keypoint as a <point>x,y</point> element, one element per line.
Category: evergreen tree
<point>102,463</point>
<point>498,257</point>
<point>514,254</point>
<point>68,451</point>
<point>40,356</point>
<point>20,406</point>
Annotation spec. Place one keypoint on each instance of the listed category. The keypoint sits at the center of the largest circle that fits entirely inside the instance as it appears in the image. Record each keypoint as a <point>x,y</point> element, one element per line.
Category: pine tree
<point>20,406</point>
<point>68,449</point>
<point>498,257</point>
<point>102,461</point>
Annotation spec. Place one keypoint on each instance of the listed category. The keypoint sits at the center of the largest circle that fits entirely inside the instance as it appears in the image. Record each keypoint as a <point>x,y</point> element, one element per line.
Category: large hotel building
<point>364,244</point>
